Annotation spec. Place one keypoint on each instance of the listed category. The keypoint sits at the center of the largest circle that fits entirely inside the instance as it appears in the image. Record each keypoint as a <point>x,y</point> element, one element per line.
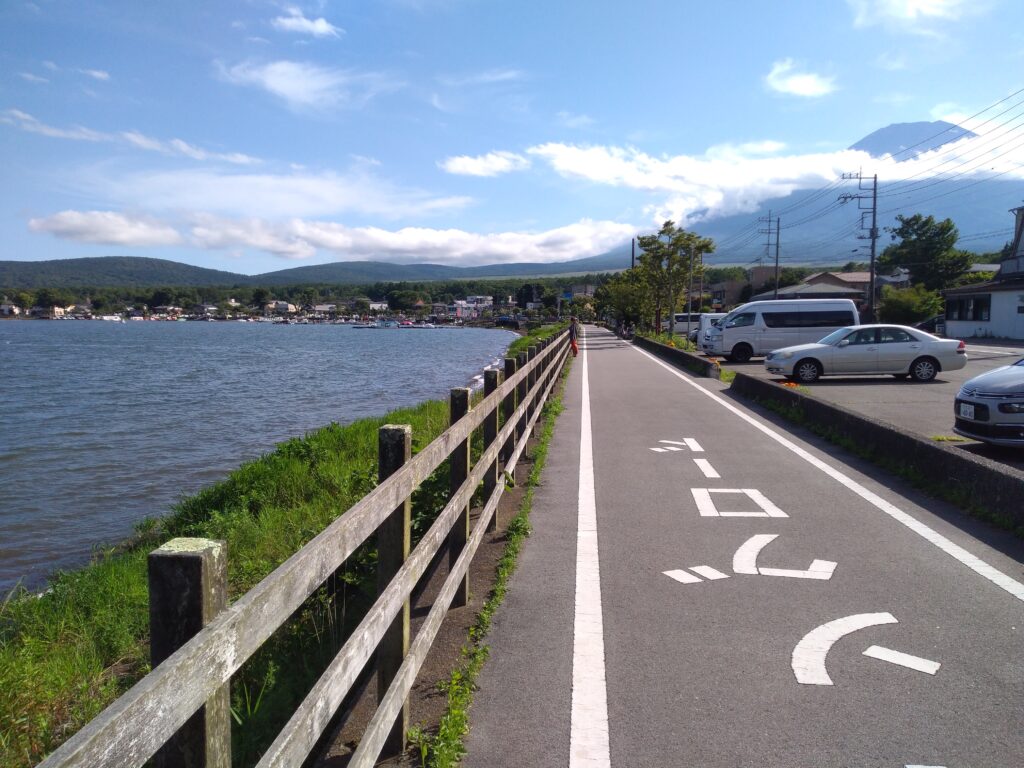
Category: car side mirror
<point>844,343</point>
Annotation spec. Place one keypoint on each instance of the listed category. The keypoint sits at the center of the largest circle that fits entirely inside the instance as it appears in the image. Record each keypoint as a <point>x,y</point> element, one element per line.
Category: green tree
<point>670,265</point>
<point>928,249</point>
<point>907,306</point>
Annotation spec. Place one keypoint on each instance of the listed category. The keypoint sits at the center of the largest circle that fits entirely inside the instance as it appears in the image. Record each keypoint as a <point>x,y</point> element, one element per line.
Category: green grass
<point>446,747</point>
<point>523,343</point>
<point>66,655</point>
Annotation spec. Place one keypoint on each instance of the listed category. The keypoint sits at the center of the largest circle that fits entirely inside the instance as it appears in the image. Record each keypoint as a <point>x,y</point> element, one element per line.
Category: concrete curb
<point>680,359</point>
<point>972,482</point>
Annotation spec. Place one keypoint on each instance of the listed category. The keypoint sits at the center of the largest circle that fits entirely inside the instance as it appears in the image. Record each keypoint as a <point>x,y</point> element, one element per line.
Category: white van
<point>681,318</point>
<point>705,326</point>
<point>758,327</point>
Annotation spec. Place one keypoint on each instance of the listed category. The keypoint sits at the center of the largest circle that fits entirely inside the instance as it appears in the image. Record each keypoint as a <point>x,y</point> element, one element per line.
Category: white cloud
<point>296,21</point>
<point>487,77</point>
<point>305,85</point>
<point>267,195</point>
<point>570,120</point>
<point>491,164</point>
<point>730,179</point>
<point>178,147</point>
<point>785,78</point>
<point>106,228</point>
<point>50,65</point>
<point>96,74</point>
<point>300,238</point>
<point>905,13</point>
<point>28,76</point>
<point>28,123</point>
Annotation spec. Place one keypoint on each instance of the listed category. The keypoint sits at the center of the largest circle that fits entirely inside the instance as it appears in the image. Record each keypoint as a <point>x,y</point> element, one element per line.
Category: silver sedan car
<point>870,349</point>
<point>990,407</point>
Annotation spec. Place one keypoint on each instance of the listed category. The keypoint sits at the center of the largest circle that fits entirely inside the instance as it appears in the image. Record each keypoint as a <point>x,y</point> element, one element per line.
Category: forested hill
<point>135,271</point>
<point>112,271</point>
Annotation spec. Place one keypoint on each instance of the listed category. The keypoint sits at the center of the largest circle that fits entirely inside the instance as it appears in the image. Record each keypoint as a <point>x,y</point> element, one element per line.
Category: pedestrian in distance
<point>574,331</point>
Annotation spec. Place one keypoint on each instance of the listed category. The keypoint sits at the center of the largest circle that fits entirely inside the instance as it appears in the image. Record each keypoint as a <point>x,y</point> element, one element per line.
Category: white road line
<point>671,448</point>
<point>683,577</point>
<point>672,442</point>
<point>809,654</point>
<point>903,659</point>
<point>660,450</point>
<point>693,445</point>
<point>708,572</point>
<point>763,503</point>
<point>745,559</point>
<point>705,505</point>
<point>706,468</point>
<point>588,724</point>
<point>925,766</point>
<point>952,549</point>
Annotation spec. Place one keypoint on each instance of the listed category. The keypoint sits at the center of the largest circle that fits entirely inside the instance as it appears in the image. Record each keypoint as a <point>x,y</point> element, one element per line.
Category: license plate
<point>966,411</point>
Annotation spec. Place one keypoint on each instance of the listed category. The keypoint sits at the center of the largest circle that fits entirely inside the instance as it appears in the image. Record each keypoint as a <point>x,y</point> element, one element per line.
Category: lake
<point>103,424</point>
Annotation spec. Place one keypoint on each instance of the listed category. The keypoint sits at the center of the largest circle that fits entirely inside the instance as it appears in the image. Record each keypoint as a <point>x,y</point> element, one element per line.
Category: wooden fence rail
<point>148,716</point>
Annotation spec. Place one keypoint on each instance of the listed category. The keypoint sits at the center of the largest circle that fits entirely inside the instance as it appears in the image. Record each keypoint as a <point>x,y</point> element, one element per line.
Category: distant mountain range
<point>815,230</point>
<point>137,271</point>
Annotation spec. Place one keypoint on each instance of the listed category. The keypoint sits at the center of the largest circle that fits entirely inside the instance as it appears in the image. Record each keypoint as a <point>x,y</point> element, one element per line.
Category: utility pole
<point>872,230</point>
<point>768,244</point>
<point>632,258</point>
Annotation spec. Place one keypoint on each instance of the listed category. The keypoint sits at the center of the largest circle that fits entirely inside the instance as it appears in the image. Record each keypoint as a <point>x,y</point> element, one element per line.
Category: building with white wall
<point>994,309</point>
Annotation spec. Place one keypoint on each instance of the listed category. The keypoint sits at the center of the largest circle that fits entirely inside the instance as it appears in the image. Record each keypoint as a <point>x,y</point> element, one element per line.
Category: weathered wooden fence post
<point>490,434</point>
<point>188,581</point>
<point>394,449</point>
<point>531,355</point>
<point>459,399</point>
<point>508,407</point>
<point>520,399</point>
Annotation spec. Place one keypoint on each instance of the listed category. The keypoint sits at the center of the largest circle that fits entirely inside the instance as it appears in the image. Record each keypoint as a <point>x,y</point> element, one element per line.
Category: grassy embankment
<point>66,655</point>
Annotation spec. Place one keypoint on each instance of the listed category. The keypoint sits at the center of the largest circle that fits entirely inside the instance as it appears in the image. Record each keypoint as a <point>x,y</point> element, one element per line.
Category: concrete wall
<point>1005,323</point>
<point>688,361</point>
<point>978,485</point>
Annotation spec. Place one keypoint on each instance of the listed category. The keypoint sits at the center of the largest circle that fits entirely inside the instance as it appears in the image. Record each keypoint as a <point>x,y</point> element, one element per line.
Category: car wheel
<point>924,369</point>
<point>742,353</point>
<point>807,371</point>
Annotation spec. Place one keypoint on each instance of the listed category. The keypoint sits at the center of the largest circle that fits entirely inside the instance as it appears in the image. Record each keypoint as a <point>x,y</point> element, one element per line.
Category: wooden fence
<point>179,714</point>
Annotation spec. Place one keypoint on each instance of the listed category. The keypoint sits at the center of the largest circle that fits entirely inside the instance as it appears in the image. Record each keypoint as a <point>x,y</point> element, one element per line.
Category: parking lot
<point>926,409</point>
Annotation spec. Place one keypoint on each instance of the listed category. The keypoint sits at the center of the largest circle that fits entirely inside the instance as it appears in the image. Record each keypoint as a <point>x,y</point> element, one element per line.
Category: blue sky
<point>254,136</point>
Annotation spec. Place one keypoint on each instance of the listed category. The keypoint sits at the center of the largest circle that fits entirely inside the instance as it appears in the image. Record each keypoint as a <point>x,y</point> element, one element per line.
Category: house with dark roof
<point>994,309</point>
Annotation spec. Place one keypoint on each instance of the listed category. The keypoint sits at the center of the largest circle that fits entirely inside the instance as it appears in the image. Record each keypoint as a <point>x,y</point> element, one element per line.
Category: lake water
<point>103,424</point>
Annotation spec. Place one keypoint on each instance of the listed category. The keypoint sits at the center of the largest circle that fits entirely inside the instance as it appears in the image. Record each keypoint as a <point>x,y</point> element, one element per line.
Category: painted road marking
<point>925,766</point>
<point>708,572</point>
<point>683,577</point>
<point>672,442</point>
<point>808,660</point>
<point>674,445</point>
<point>706,506</point>
<point>819,569</point>
<point>706,468</point>
<point>693,445</point>
<point>903,659</point>
<point>952,549</point>
<point>588,725</point>
<point>745,561</point>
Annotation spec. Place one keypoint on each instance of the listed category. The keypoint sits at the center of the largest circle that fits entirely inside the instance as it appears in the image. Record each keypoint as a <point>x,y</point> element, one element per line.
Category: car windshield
<point>1020,362</point>
<point>834,337</point>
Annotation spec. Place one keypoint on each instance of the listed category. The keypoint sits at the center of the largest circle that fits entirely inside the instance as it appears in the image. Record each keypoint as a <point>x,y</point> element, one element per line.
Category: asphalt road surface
<point>926,409</point>
<point>704,589</point>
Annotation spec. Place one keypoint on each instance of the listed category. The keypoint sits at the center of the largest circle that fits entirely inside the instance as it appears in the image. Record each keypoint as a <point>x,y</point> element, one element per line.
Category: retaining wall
<point>980,486</point>
<point>697,364</point>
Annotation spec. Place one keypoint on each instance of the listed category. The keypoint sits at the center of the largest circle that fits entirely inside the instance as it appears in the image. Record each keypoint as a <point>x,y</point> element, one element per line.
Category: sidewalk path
<point>759,602</point>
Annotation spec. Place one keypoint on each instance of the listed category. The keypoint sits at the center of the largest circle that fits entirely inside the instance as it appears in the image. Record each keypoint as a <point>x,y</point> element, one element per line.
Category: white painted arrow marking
<point>707,508</point>
<point>809,654</point>
<point>903,659</point>
<point>820,569</point>
<point>672,442</point>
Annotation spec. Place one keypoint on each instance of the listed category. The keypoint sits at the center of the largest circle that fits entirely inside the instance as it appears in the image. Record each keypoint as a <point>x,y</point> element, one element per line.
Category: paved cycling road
<point>704,589</point>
